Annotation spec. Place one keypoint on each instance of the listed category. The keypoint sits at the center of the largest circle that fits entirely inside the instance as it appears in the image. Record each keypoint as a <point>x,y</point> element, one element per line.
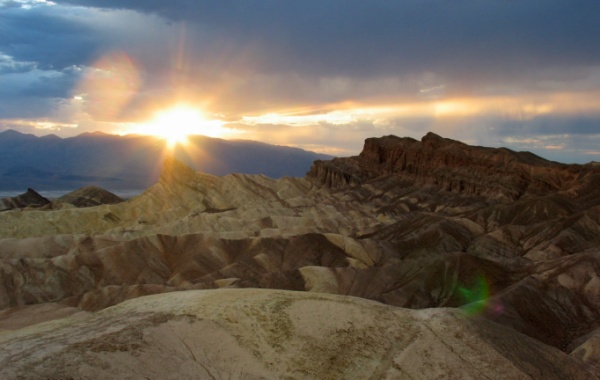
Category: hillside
<point>476,263</point>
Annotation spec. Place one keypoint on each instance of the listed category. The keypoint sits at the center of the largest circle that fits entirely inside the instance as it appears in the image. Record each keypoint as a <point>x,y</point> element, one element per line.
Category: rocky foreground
<point>256,334</point>
<point>497,253</point>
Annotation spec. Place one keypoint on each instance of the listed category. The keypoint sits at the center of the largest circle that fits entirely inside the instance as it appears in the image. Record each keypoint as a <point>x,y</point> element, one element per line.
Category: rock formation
<point>269,334</point>
<point>453,166</point>
<point>88,196</point>
<point>501,243</point>
<point>30,198</point>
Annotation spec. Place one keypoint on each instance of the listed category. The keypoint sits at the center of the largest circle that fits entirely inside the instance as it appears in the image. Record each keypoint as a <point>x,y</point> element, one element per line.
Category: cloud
<point>360,38</point>
<point>10,4</point>
<point>561,137</point>
<point>53,84</point>
<point>9,66</point>
<point>53,37</point>
<point>487,72</point>
<point>267,53</point>
<point>27,91</point>
<point>46,49</point>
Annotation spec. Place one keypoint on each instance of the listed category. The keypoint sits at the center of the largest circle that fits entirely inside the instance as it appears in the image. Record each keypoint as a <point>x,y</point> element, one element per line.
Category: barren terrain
<point>415,259</point>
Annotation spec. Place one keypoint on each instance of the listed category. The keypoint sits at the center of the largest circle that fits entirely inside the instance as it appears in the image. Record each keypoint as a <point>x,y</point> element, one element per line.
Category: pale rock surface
<point>268,334</point>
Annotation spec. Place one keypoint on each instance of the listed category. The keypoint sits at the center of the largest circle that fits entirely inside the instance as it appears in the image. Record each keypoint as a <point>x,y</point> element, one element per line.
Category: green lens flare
<point>476,297</point>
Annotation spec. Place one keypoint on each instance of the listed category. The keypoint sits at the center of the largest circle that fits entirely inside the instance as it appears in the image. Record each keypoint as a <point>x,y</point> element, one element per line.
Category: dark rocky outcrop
<point>449,165</point>
<point>30,198</point>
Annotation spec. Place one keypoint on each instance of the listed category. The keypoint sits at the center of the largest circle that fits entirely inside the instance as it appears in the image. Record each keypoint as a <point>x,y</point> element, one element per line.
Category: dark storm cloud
<point>46,37</point>
<point>54,84</point>
<point>382,47</point>
<point>358,38</point>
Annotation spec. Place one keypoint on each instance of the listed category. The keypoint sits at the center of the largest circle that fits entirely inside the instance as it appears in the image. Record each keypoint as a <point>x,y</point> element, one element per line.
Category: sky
<point>321,75</point>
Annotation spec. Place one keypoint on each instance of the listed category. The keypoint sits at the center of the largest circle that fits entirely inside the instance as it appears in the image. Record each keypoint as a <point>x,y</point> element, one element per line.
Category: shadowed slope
<point>89,196</point>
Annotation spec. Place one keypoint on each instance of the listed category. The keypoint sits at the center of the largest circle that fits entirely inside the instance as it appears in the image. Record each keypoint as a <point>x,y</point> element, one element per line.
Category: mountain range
<point>422,258</point>
<point>133,161</point>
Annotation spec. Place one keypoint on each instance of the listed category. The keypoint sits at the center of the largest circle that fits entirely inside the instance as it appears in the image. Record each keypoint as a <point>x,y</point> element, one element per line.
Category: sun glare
<point>177,123</point>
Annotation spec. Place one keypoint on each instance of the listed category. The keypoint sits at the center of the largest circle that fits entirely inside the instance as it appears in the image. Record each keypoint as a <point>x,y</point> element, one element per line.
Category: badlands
<point>427,259</point>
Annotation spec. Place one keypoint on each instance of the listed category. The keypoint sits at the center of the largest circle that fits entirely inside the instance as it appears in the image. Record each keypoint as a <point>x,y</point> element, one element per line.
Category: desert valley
<point>428,259</point>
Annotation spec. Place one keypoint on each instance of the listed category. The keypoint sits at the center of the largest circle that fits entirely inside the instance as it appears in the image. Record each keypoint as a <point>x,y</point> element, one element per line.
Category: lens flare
<point>476,296</point>
<point>109,85</point>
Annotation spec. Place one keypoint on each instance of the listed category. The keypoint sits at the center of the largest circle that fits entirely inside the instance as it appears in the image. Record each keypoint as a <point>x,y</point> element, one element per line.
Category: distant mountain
<point>88,196</point>
<point>30,198</point>
<point>133,161</point>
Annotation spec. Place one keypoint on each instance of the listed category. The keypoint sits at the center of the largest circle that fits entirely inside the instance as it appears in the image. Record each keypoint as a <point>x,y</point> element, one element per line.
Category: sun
<point>177,123</point>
